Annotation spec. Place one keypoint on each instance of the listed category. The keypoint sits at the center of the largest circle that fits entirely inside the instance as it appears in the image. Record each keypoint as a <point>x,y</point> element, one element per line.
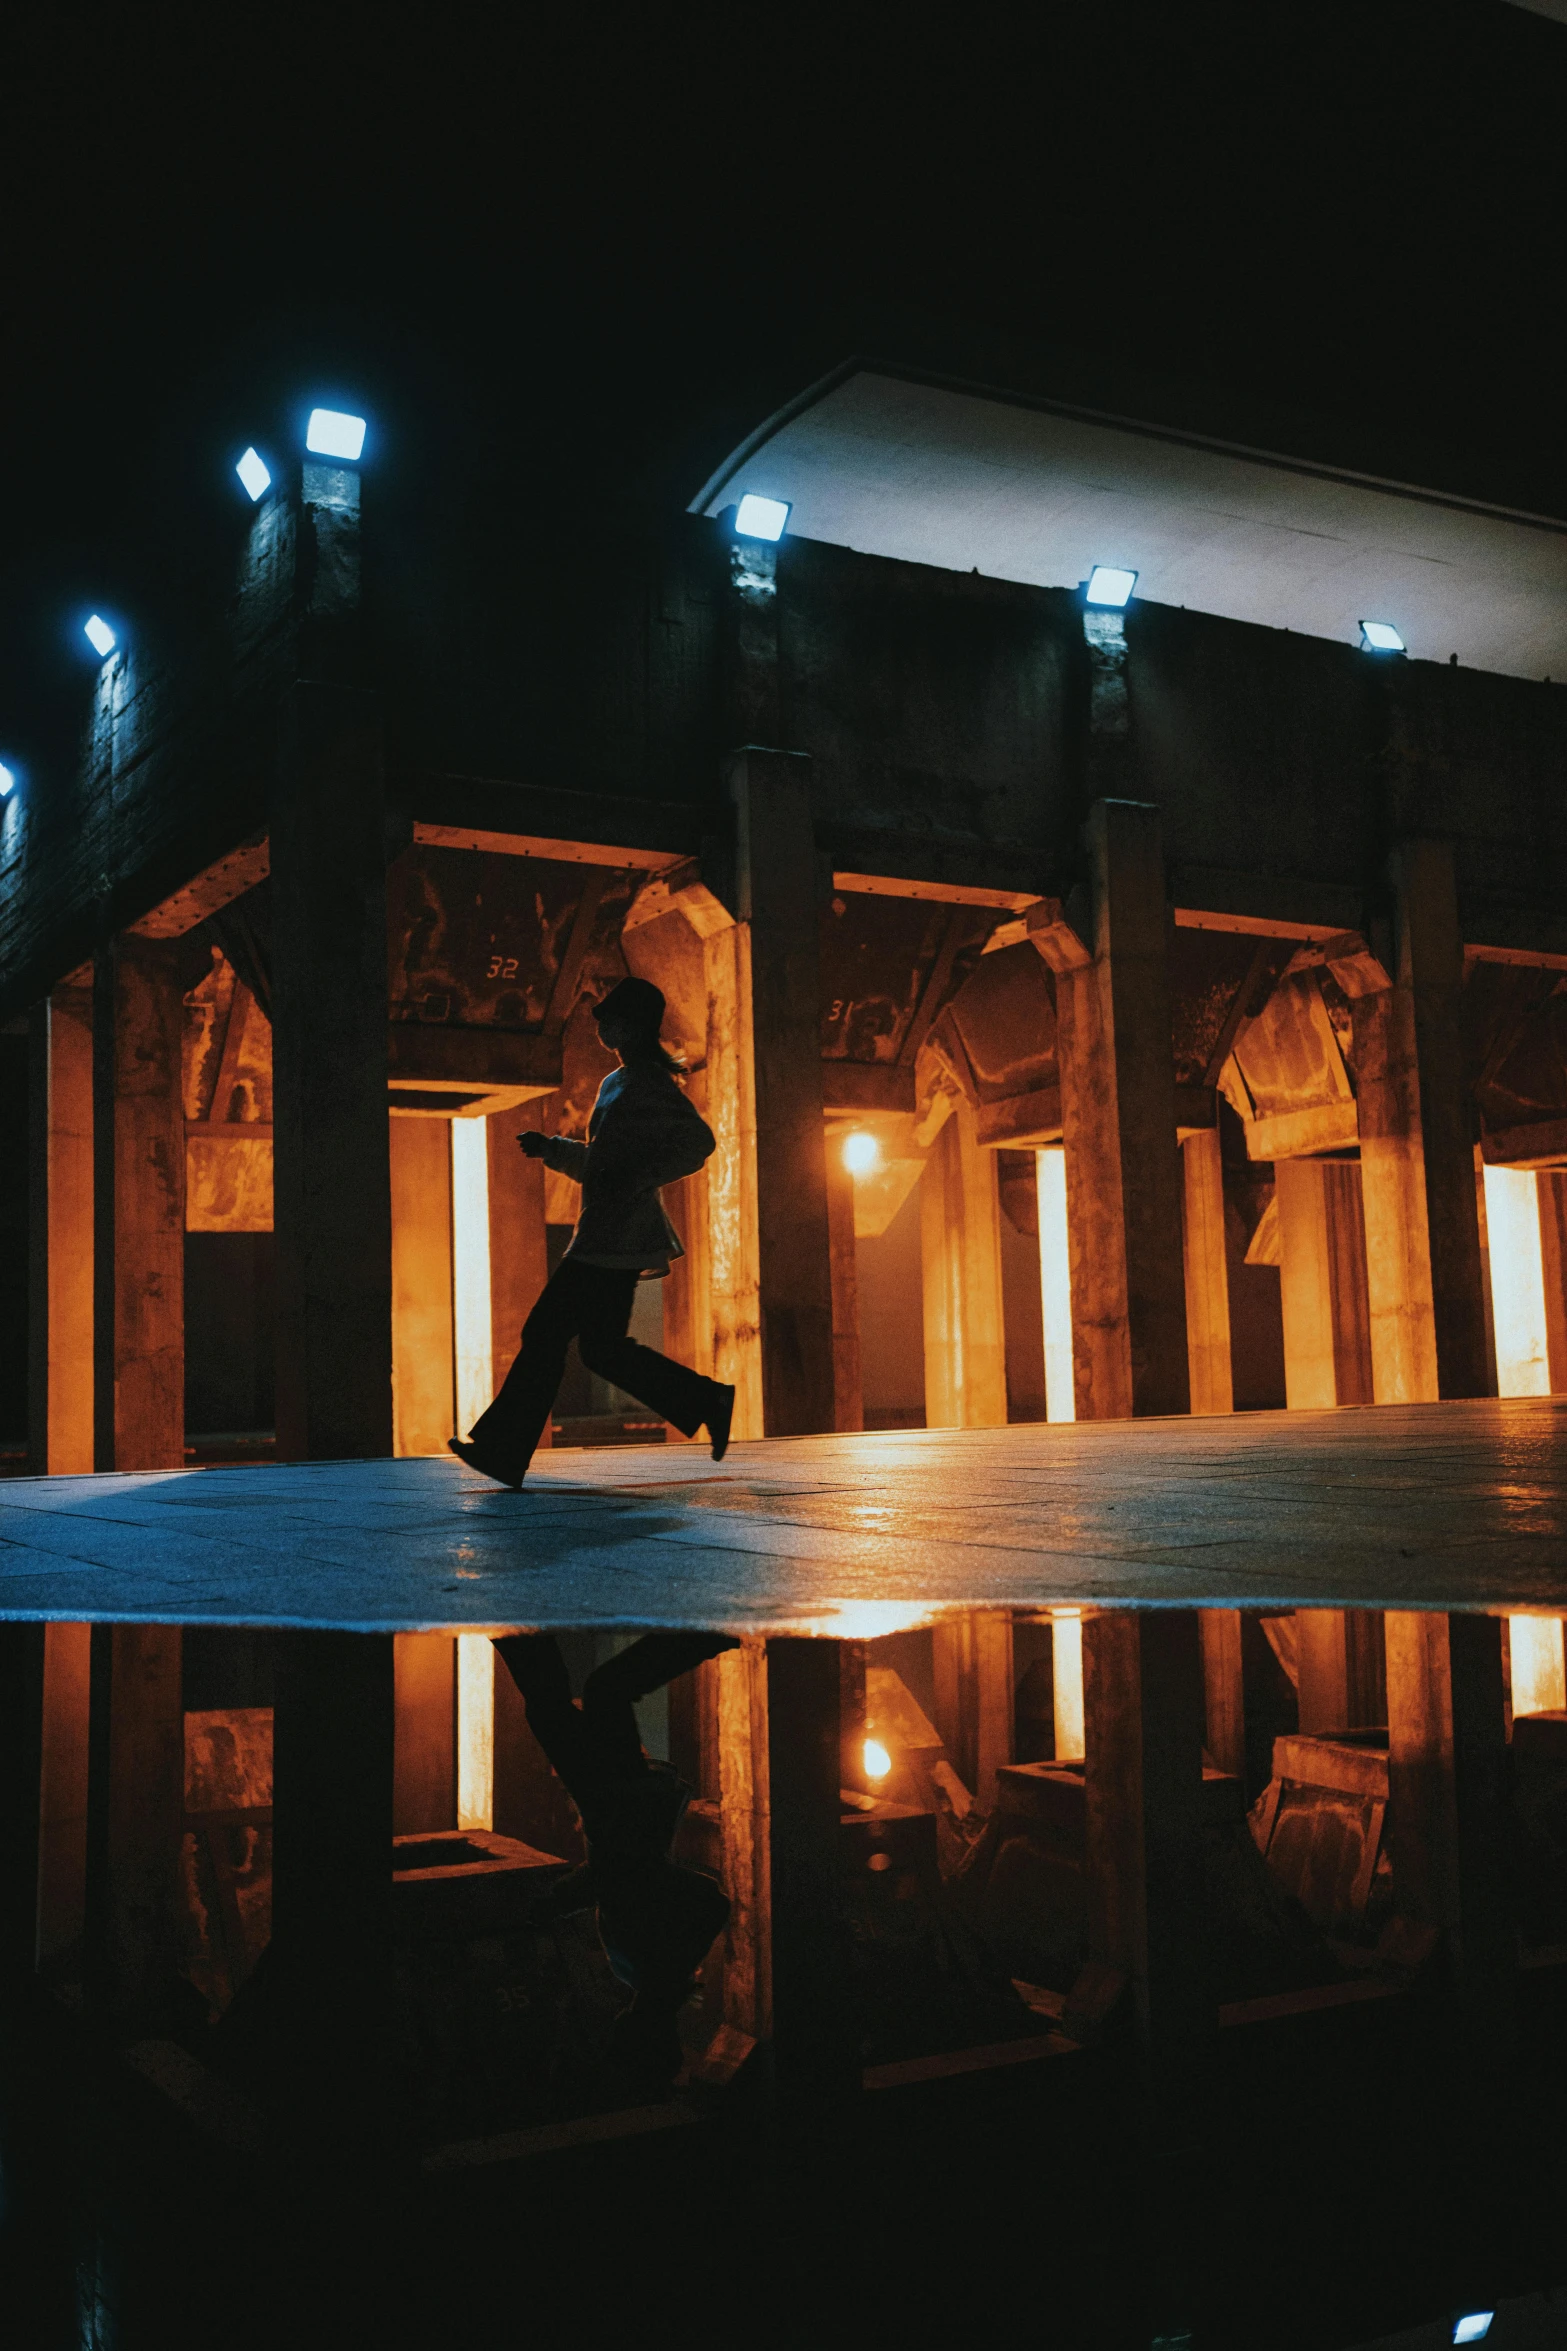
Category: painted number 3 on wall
<point>502,967</point>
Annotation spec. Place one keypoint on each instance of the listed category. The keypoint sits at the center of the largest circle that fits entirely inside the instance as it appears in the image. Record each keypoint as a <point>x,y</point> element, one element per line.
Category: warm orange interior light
<point>877,1761</point>
<point>861,1152</point>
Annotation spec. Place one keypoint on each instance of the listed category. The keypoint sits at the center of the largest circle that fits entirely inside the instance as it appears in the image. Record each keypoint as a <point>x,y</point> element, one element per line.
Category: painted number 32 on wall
<point>502,967</point>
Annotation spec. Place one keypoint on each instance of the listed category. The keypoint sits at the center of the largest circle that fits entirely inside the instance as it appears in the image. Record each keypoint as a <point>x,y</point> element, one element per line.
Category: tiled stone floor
<point>1438,1505</point>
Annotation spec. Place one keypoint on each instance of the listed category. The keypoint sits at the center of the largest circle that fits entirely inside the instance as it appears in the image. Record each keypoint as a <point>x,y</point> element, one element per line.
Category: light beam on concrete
<point>1066,1673</point>
<point>1512,1216</point>
<point>1055,1281</point>
<point>475,1721</point>
<point>471,1326</point>
<point>1539,1669</point>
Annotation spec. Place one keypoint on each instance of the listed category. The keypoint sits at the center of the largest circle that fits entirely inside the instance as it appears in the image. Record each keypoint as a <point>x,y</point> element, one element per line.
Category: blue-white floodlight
<point>761,518</point>
<point>1380,636</point>
<point>99,635</point>
<point>1474,2327</point>
<point>7,780</point>
<point>254,475</point>
<point>331,434</point>
<point>1109,587</point>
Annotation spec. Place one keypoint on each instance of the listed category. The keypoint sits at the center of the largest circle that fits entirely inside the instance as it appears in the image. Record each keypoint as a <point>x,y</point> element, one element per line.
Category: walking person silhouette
<point>643,1133</point>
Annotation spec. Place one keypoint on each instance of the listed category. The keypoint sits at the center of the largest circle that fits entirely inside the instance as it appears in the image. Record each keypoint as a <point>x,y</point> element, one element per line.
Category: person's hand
<point>533,1143</point>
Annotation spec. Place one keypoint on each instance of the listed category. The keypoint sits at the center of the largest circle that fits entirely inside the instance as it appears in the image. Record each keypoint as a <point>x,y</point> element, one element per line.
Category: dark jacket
<point>643,1133</point>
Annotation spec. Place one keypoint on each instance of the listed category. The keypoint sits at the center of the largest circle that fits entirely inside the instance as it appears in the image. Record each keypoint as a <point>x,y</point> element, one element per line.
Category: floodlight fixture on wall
<point>1109,587</point>
<point>254,475</point>
<point>99,635</point>
<point>861,1152</point>
<point>1473,2327</point>
<point>332,434</point>
<point>1380,636</point>
<point>7,780</point>
<point>761,518</point>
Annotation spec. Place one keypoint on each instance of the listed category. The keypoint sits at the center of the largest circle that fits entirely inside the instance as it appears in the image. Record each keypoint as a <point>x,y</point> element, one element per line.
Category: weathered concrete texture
<point>138,1127</point>
<point>1447,1506</point>
<point>332,1189</point>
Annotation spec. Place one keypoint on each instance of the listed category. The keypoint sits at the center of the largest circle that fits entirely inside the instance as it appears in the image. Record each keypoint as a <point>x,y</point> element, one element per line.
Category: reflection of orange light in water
<point>1539,1682</point>
<point>877,1761</point>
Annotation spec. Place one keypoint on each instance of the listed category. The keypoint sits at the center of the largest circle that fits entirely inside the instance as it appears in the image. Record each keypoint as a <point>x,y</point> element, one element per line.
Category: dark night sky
<point>607,242</point>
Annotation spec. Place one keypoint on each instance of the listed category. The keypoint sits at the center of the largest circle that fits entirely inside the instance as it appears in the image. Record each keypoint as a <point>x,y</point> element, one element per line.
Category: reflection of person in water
<point>657,1918</point>
<point>643,1133</point>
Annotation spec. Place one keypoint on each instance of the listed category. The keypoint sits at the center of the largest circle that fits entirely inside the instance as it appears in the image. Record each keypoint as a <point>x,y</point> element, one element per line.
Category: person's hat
<point>635,1000</point>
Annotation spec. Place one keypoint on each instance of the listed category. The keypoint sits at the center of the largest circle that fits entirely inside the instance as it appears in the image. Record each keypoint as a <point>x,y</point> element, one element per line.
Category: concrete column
<point>333,1778</point>
<point>975,1696</point>
<point>138,1208</point>
<point>744,1798</point>
<point>135,1817</point>
<point>1143,1723</point>
<point>1448,1816</point>
<point>62,1860</point>
<point>21,1774</point>
<point>1224,1689</point>
<point>778,910</point>
<point>1427,1299</point>
<point>519,1246</point>
<point>1323,1286</point>
<point>422,1349</point>
<point>1123,1180</point>
<point>332,1189</point>
<point>424,1775</point>
<point>848,1392</point>
<point>960,1242</point>
<point>1206,1272</point>
<point>60,1222</point>
<point>733,1178</point>
<point>814,2040</point>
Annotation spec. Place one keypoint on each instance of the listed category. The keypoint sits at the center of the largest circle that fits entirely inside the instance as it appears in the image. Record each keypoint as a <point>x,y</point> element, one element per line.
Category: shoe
<point>475,1457</point>
<point>719,1415</point>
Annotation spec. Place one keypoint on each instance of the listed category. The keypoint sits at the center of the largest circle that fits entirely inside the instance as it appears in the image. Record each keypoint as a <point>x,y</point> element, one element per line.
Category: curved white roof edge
<point>935,470</point>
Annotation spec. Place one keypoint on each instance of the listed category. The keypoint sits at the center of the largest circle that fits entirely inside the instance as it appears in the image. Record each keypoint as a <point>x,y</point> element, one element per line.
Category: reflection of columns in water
<point>1539,1679</point>
<point>475,1720</point>
<point>1066,1657</point>
<point>1055,1279</point>
<point>1512,1216</point>
<point>471,1331</point>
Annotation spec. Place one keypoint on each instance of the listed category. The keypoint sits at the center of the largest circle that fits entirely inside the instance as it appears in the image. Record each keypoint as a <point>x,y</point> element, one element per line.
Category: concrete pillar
<point>1206,1272</point>
<point>960,1245</point>
<point>1143,1720</point>
<point>777,906</point>
<point>1427,1301</point>
<point>1322,1284</point>
<point>333,1778</point>
<point>814,2037</point>
<point>975,1696</point>
<point>21,1773</point>
<point>424,1775</point>
<point>135,1817</point>
<point>138,1208</point>
<point>1123,1179</point>
<point>1553,1272</point>
<point>744,1798</point>
<point>1448,1815</point>
<point>422,1352</point>
<point>332,1189</point>
<point>62,1860</point>
<point>60,1222</point>
<point>848,1392</point>
<point>1224,1689</point>
<point>519,1244</point>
